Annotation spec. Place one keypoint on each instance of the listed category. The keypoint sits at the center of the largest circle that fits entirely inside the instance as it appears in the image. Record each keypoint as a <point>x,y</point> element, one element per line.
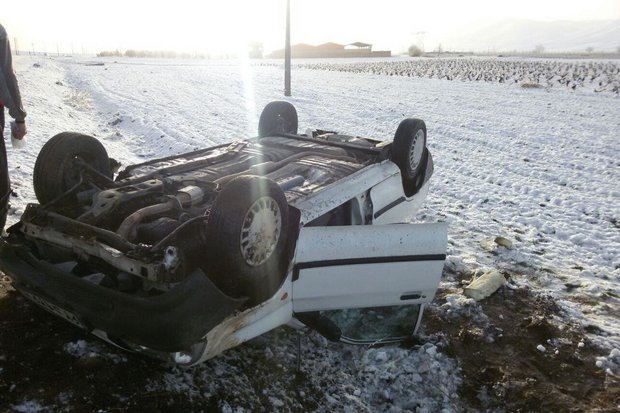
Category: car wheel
<point>55,171</point>
<point>246,238</point>
<point>278,117</point>
<point>409,151</point>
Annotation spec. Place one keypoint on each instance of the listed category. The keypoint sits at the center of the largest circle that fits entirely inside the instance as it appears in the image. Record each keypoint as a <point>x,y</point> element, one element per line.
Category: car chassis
<point>186,256</point>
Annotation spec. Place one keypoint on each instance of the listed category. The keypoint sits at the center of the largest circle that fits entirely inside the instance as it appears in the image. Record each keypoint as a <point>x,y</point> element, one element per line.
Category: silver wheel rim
<point>260,231</point>
<point>416,150</point>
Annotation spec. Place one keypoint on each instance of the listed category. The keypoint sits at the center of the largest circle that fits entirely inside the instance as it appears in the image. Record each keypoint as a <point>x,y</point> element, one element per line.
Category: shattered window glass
<point>375,324</point>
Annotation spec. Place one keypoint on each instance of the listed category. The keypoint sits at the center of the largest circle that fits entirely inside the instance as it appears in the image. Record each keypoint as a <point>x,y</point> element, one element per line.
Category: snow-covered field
<point>599,76</point>
<point>540,167</point>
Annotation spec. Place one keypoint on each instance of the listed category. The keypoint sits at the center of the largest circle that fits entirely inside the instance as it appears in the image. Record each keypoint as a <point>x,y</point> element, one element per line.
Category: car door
<point>367,284</point>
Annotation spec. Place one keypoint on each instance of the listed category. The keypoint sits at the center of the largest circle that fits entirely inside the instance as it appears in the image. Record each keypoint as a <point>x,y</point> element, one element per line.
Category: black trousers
<point>5,183</point>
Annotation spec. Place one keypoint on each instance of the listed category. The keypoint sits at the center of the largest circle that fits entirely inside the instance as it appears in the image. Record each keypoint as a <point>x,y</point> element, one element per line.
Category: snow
<point>375,379</point>
<point>611,363</point>
<point>536,166</point>
<point>29,406</point>
<point>84,350</point>
<point>596,75</point>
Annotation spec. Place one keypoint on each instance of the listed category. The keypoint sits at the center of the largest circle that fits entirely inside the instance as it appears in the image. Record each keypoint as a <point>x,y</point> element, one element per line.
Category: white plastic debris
<point>541,348</point>
<point>504,242</point>
<point>485,285</point>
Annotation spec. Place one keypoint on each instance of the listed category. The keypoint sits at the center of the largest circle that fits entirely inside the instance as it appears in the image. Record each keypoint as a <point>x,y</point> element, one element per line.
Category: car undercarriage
<point>155,212</point>
<point>163,255</point>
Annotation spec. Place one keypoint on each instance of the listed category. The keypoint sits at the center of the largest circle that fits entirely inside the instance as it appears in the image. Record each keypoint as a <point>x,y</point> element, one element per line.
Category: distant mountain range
<point>525,35</point>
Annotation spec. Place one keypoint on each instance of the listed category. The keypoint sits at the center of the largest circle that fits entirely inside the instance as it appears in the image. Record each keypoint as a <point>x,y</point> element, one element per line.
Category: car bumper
<point>168,322</point>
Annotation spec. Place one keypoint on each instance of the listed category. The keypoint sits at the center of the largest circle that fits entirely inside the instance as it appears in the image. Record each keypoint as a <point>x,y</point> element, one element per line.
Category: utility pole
<point>16,48</point>
<point>287,51</point>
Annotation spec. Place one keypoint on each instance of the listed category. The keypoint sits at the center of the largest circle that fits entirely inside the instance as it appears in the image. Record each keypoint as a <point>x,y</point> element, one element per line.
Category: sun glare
<point>247,77</point>
<point>219,27</point>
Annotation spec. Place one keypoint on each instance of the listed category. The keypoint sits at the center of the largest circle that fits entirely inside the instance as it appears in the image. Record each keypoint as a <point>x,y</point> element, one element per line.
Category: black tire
<point>240,267</point>
<point>278,117</point>
<point>55,172</point>
<point>409,152</point>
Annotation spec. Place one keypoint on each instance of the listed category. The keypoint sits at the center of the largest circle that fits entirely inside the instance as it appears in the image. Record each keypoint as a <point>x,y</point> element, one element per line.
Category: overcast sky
<point>227,26</point>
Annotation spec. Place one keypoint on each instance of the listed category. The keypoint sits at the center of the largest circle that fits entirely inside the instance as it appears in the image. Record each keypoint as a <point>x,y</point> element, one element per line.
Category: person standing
<point>11,98</point>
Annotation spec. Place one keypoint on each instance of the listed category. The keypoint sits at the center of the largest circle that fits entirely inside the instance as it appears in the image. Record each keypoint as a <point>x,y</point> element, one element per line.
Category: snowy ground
<point>599,76</point>
<point>539,167</point>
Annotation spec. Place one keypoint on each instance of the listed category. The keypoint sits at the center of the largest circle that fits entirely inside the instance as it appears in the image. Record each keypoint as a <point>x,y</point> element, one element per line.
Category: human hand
<point>20,131</point>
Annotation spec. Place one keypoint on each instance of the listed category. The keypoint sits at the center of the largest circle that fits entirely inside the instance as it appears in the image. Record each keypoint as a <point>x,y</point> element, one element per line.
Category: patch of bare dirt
<point>504,367</point>
<point>35,366</point>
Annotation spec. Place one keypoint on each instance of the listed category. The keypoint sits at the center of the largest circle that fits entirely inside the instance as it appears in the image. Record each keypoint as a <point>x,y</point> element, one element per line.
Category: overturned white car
<point>186,256</point>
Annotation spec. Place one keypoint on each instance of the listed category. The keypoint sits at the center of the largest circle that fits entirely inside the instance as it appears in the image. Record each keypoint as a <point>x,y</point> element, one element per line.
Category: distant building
<point>327,50</point>
<point>359,46</point>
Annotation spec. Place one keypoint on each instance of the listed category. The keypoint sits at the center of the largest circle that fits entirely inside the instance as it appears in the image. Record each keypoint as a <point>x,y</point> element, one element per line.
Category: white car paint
<point>341,286</point>
<point>368,266</point>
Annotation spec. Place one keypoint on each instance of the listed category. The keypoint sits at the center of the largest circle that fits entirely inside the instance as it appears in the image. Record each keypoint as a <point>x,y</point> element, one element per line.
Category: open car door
<point>369,283</point>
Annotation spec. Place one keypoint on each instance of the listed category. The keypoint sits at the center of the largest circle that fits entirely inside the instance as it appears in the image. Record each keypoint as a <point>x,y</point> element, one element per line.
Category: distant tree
<point>108,53</point>
<point>415,51</point>
<point>539,49</point>
<point>158,54</point>
<point>439,48</point>
<point>589,49</point>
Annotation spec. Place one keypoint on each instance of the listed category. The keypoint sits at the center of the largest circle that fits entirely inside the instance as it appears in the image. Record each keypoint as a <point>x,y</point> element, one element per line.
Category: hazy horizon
<point>70,26</point>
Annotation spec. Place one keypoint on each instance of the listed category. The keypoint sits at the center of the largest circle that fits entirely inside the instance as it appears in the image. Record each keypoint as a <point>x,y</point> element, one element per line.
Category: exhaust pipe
<point>189,195</point>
